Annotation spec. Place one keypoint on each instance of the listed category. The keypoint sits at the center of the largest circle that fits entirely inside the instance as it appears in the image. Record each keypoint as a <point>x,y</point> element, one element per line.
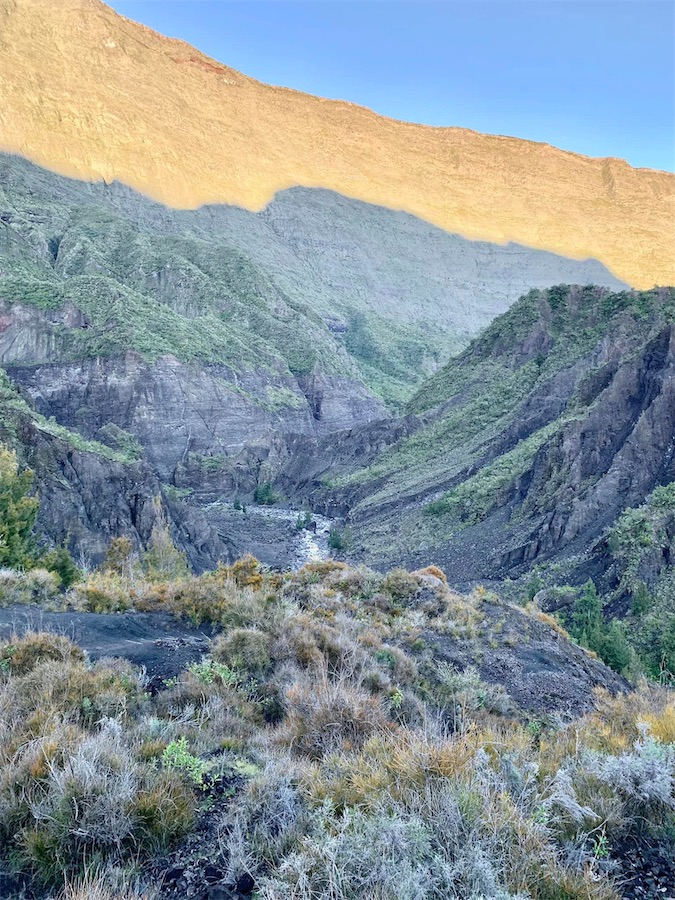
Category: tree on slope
<point>18,512</point>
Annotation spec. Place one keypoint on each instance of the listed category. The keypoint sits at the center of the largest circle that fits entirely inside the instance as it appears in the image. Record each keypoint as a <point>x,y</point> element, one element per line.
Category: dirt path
<point>153,640</point>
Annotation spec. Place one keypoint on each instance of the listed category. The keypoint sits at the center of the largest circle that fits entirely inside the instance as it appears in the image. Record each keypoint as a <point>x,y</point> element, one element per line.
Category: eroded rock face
<point>87,499</point>
<point>175,409</point>
<point>206,429</point>
<point>604,460</point>
<point>601,426</point>
<point>614,456</point>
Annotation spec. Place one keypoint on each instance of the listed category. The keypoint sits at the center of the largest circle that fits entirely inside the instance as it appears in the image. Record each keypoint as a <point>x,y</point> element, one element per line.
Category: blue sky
<point>593,76</point>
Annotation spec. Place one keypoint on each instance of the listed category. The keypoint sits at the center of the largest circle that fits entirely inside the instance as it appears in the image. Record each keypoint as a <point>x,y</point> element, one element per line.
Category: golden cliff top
<point>90,94</point>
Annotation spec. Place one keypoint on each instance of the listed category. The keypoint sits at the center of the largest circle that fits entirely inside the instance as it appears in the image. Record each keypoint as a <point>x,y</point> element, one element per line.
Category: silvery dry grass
<point>368,772</point>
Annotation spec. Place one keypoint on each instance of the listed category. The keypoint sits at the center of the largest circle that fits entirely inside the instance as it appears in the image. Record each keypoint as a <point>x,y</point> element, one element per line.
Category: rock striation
<point>522,451</point>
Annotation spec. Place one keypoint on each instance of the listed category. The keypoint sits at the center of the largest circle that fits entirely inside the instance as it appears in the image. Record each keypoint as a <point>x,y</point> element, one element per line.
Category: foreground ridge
<point>325,733</point>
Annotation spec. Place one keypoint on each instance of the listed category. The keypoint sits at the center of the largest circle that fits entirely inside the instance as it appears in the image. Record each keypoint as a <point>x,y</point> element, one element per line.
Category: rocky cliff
<point>91,492</point>
<point>90,94</point>
<point>525,449</point>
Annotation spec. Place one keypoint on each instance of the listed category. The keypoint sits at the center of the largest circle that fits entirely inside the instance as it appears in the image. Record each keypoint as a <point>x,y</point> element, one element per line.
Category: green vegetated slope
<point>315,281</point>
<point>639,583</point>
<point>151,292</point>
<point>530,444</point>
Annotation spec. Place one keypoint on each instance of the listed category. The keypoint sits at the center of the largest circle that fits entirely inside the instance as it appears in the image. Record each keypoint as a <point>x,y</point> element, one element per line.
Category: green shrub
<point>588,626</point>
<point>613,647</point>
<point>587,623</point>
<point>162,560</point>
<point>18,512</point>
<point>401,586</point>
<point>121,440</point>
<point>336,539</point>
<point>176,756</point>
<point>209,671</point>
<point>663,497</point>
<point>264,495</point>
<point>61,562</point>
<point>304,520</point>
<point>177,493</point>
<point>119,557</point>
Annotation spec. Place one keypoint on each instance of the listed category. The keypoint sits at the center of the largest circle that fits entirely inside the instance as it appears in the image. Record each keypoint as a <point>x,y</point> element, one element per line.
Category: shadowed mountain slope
<point>314,285</point>
<point>188,344</point>
<point>91,94</point>
<point>525,448</point>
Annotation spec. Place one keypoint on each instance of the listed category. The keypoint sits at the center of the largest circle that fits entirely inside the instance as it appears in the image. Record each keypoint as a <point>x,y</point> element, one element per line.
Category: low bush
<point>215,599</point>
<point>34,586</point>
<point>401,586</point>
<point>245,650</point>
<point>432,572</point>
<point>265,495</point>
<point>643,779</point>
<point>21,654</point>
<point>102,803</point>
<point>103,592</point>
<point>176,756</point>
<point>246,572</point>
<point>162,561</point>
<point>62,564</point>
<point>325,716</point>
<point>336,539</point>
<point>105,884</point>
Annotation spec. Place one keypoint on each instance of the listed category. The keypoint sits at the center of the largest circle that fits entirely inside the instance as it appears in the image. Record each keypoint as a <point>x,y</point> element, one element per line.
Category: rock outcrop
<point>524,450</point>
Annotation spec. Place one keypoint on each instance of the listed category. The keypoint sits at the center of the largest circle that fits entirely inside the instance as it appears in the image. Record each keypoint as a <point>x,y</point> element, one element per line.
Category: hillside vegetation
<point>315,283</point>
<point>322,748</point>
<point>523,444</point>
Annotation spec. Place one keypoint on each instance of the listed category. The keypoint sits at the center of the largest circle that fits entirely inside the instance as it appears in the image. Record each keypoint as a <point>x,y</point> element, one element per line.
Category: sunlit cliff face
<point>93,95</point>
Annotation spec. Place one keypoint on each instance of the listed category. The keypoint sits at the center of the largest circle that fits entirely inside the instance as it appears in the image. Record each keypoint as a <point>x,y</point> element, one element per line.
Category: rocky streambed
<point>273,534</point>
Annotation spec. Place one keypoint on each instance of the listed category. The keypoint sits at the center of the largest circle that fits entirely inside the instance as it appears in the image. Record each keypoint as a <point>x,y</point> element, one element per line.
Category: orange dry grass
<point>614,726</point>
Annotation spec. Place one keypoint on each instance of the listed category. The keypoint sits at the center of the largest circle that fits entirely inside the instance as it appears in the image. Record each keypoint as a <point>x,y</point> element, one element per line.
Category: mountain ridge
<point>71,74</point>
